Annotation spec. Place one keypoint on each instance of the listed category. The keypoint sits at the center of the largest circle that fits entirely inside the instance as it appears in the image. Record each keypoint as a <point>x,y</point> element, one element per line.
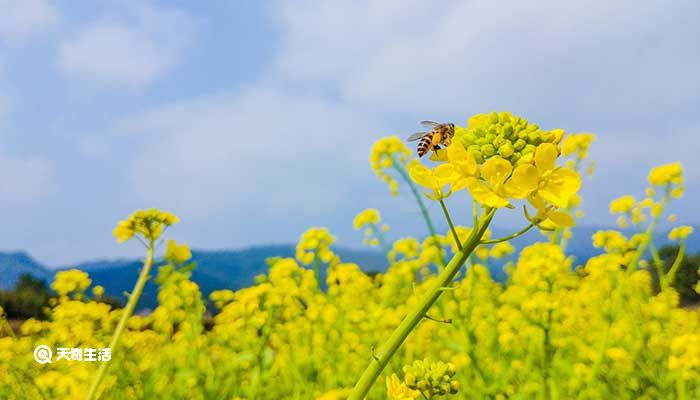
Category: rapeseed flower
<point>149,224</point>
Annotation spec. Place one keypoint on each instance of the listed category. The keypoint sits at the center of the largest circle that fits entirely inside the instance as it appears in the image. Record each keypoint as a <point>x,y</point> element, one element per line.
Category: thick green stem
<point>126,313</point>
<point>377,365</point>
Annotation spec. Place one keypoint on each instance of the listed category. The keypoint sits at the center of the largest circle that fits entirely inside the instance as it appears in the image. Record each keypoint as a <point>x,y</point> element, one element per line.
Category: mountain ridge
<point>235,269</point>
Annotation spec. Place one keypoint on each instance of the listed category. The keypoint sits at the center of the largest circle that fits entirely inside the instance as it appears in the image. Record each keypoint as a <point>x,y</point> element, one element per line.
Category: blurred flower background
<point>306,250</point>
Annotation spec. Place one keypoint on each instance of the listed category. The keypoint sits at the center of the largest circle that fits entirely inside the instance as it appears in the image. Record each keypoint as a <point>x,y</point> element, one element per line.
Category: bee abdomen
<point>424,145</point>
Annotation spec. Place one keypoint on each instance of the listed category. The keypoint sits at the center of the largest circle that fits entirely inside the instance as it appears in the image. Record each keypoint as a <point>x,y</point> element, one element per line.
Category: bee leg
<point>436,147</point>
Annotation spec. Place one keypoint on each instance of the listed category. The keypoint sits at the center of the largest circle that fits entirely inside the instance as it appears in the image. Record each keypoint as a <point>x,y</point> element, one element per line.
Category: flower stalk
<point>126,313</point>
<point>409,323</point>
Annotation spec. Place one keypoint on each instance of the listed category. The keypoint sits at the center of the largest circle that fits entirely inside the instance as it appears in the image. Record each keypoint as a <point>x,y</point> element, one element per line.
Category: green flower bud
<point>506,150</point>
<point>410,380</point>
<point>519,145</point>
<point>499,141</point>
<point>507,130</point>
<point>534,138</point>
<point>423,385</point>
<point>547,137</point>
<point>470,138</point>
<point>529,149</point>
<point>488,150</point>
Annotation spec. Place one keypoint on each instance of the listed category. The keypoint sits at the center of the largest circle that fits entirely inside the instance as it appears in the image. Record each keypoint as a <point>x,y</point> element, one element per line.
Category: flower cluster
<point>148,224</point>
<point>315,246</point>
<point>497,175</point>
<point>388,153</point>
<point>71,281</point>
<point>431,378</point>
<point>502,134</point>
<point>370,220</point>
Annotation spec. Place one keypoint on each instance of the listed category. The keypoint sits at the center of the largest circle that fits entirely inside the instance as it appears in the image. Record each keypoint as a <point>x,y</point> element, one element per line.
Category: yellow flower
<point>500,250</point>
<point>146,223</point>
<point>98,291</point>
<point>577,143</point>
<point>368,216</point>
<point>71,281</point>
<point>499,184</point>
<point>548,217</point>
<point>680,232</point>
<point>622,205</point>
<point>460,169</point>
<point>397,390</point>
<point>386,152</point>
<point>436,180</point>
<point>177,253</point>
<point>666,174</point>
<point>556,184</point>
<point>315,244</point>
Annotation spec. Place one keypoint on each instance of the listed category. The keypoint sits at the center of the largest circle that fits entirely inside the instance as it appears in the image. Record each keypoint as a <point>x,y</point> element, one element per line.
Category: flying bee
<point>439,134</point>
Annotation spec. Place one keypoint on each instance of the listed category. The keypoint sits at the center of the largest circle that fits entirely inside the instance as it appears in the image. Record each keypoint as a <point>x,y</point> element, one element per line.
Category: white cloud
<point>24,179</point>
<point>296,142</point>
<point>464,56</point>
<point>133,52</point>
<point>21,19</point>
<point>262,149</point>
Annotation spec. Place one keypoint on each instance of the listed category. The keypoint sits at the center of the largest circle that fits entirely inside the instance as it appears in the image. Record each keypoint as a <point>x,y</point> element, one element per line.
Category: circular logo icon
<point>42,354</point>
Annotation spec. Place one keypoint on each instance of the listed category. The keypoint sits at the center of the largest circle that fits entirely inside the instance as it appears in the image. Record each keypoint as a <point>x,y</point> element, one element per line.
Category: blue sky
<point>253,120</point>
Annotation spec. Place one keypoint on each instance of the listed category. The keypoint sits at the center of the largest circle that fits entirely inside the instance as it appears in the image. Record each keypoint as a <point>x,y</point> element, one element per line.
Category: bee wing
<point>429,124</point>
<point>417,136</point>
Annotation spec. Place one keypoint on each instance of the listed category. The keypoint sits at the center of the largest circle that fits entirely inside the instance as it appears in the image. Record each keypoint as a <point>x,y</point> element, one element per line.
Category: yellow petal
<point>546,157</point>
<point>421,175</point>
<point>496,170</point>
<point>445,173</point>
<point>561,185</point>
<point>476,120</point>
<point>537,202</point>
<point>439,155</point>
<point>523,182</point>
<point>459,184</point>
<point>484,195</point>
<point>561,218</point>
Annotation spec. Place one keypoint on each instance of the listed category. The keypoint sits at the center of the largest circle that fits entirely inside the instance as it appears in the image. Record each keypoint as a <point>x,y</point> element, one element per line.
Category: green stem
<point>658,263</point>
<point>380,238</point>
<point>670,276</point>
<point>376,366</point>
<point>509,237</point>
<point>317,268</point>
<point>419,199</point>
<point>126,313</point>
<point>649,233</point>
<point>449,222</point>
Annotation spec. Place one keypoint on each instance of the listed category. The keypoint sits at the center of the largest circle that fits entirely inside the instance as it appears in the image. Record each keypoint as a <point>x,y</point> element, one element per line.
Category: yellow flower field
<point>434,325</point>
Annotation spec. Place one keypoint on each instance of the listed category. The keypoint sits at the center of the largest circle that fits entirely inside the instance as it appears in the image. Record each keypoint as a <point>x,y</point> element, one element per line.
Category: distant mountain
<point>12,265</point>
<point>225,269</point>
<point>234,269</point>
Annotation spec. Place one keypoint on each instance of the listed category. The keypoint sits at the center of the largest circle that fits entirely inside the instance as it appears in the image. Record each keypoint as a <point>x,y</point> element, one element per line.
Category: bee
<point>439,134</point>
